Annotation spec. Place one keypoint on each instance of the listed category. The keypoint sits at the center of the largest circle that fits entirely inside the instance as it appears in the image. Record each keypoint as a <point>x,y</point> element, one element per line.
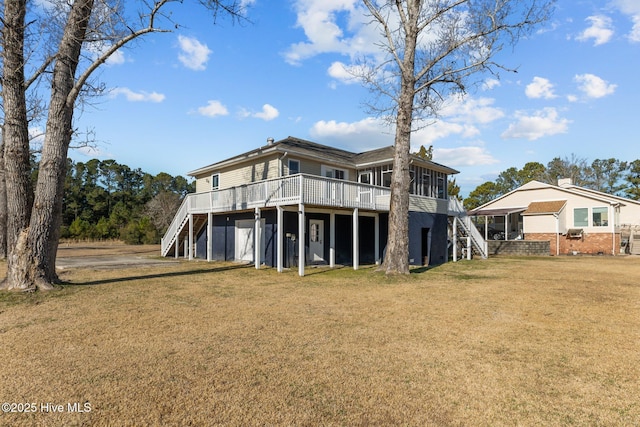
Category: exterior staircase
<point>180,233</point>
<point>462,227</point>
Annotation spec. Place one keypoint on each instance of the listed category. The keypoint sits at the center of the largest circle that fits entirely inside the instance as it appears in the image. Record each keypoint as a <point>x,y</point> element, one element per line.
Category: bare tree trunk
<point>396,260</point>
<point>3,206</point>
<point>15,132</point>
<point>32,262</point>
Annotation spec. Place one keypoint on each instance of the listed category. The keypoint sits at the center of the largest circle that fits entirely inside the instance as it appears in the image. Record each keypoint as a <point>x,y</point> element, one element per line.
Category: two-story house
<point>293,203</point>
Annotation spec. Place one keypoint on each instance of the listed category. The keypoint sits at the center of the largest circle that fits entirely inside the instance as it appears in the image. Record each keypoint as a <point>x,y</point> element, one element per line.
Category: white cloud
<point>116,58</point>
<point>194,55</point>
<point>269,112</point>
<point>213,109</point>
<point>463,156</point>
<point>593,86</point>
<point>460,117</point>
<point>137,96</point>
<point>319,19</point>
<point>631,8</point>
<point>471,110</point>
<point>365,134</point>
<point>600,30</point>
<point>97,49</point>
<point>490,84</point>
<point>342,72</point>
<point>634,35</point>
<point>545,122</point>
<point>440,129</point>
<point>540,88</point>
<point>93,152</point>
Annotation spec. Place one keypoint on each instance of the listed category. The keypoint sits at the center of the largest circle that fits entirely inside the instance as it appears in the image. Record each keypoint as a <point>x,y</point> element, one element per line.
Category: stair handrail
<point>178,219</point>
<point>476,237</point>
<point>456,208</point>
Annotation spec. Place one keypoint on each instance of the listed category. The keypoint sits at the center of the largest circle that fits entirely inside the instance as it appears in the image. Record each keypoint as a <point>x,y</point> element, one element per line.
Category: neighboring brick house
<point>572,219</point>
<point>308,204</point>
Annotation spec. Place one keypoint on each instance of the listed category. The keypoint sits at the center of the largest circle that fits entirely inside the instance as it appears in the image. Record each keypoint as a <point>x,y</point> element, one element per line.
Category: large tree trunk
<point>15,132</point>
<point>3,206</point>
<point>32,262</point>
<point>396,260</point>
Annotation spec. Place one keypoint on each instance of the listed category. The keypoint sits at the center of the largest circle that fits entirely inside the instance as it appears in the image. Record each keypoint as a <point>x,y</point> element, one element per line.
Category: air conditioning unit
<point>574,233</point>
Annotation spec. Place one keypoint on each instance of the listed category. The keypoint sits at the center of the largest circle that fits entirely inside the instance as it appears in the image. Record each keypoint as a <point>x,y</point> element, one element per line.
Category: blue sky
<point>205,92</point>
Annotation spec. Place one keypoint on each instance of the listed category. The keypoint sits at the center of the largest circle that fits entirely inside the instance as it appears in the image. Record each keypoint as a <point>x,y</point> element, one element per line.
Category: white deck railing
<point>306,189</point>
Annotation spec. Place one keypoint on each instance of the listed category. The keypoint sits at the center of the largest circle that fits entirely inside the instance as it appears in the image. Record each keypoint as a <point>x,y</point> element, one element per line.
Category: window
<point>442,190</point>
<point>364,177</point>
<point>581,217</point>
<point>386,178</point>
<point>600,217</point>
<point>333,173</point>
<point>294,167</point>
<point>215,181</point>
<point>314,232</point>
<point>426,185</point>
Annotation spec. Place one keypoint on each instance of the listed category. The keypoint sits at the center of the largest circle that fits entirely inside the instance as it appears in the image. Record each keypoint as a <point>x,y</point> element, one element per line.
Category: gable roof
<point>312,150</point>
<point>584,190</point>
<point>572,189</point>
<point>545,208</point>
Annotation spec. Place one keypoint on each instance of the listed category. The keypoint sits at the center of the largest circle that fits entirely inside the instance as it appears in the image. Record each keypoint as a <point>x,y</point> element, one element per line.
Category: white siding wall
<point>630,214</point>
<point>539,224</point>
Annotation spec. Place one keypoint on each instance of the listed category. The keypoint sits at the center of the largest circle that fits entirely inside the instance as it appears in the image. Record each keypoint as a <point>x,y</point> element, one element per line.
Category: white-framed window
<point>215,181</point>
<point>600,216</point>
<point>581,217</point>
<point>365,177</point>
<point>331,172</point>
<point>294,167</point>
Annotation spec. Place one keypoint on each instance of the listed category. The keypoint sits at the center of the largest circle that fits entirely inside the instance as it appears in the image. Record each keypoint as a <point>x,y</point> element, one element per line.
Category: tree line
<point>611,176</point>
<point>106,200</point>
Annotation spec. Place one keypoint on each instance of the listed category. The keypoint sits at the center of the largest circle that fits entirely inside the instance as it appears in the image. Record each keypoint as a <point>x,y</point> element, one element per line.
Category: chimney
<point>565,182</point>
<point>270,140</point>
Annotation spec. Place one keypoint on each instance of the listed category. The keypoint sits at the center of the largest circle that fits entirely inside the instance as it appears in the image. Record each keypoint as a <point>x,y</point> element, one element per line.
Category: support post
<point>332,239</point>
<point>376,237</point>
<point>356,243</point>
<point>256,239</point>
<point>190,239</point>
<point>280,235</point>
<point>506,227</point>
<point>468,248</point>
<point>301,237</point>
<point>209,236</point>
<point>455,239</point>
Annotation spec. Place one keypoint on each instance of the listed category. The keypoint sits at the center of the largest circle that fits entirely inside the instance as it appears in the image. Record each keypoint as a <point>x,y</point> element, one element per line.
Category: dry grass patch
<point>507,341</point>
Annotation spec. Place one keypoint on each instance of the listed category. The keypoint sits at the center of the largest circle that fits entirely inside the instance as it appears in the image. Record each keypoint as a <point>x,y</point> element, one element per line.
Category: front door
<point>316,240</point>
